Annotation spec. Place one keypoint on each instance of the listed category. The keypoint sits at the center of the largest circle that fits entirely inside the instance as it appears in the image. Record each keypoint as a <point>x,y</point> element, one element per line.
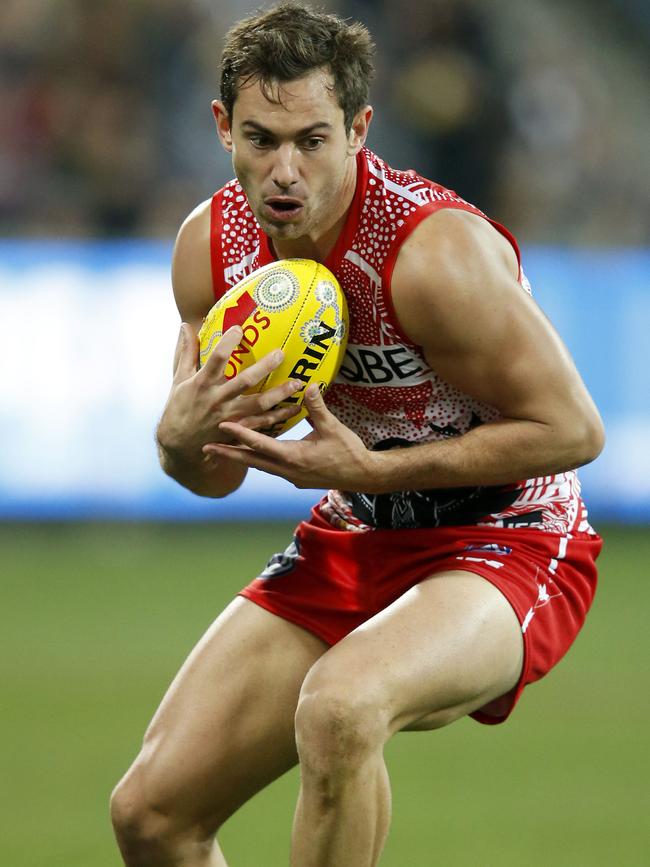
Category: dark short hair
<point>289,41</point>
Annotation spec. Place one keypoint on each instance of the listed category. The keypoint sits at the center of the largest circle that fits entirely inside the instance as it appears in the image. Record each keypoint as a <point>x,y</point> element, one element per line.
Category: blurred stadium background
<point>534,109</point>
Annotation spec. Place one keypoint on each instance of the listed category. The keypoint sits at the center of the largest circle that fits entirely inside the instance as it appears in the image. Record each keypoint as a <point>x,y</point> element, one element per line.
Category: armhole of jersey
<point>405,231</point>
<point>216,260</point>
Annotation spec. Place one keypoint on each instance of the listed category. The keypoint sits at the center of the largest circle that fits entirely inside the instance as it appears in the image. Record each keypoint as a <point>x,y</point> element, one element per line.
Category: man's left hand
<point>331,456</point>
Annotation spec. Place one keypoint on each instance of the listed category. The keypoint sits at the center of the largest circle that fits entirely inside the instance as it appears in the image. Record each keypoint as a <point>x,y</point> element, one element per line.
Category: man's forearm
<point>202,475</point>
<point>497,453</point>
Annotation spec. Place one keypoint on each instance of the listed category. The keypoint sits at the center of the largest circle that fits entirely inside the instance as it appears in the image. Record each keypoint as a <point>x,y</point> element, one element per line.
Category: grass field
<point>96,620</point>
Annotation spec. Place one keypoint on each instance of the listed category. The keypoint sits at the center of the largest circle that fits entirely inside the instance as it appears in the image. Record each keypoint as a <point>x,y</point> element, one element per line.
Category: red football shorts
<point>330,581</point>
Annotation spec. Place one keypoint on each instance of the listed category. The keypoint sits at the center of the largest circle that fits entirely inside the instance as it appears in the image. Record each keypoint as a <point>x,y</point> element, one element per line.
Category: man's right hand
<point>201,398</point>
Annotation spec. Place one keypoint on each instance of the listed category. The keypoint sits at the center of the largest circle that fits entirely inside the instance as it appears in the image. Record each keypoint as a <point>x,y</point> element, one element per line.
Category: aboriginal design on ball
<point>341,331</point>
<point>325,292</point>
<point>206,349</point>
<point>327,296</point>
<point>276,291</point>
<point>310,329</point>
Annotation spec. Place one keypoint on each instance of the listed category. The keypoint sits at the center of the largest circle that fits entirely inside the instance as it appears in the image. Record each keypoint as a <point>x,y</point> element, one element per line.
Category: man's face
<point>293,159</point>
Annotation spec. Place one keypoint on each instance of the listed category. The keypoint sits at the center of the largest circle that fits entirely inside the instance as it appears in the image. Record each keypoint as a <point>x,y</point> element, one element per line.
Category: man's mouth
<point>283,208</point>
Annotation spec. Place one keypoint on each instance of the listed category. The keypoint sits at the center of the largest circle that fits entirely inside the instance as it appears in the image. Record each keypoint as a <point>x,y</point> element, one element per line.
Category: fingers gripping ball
<point>296,305</point>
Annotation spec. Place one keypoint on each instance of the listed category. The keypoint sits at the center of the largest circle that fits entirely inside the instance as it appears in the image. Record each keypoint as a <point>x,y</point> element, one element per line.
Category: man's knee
<point>337,727</point>
<point>149,832</point>
<point>139,826</point>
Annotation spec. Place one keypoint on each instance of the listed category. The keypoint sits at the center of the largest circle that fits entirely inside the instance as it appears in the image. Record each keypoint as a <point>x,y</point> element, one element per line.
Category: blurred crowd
<point>536,110</point>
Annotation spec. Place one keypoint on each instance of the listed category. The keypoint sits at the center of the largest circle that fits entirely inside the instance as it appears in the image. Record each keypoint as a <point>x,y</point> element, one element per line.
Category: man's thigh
<point>445,648</point>
<point>225,728</point>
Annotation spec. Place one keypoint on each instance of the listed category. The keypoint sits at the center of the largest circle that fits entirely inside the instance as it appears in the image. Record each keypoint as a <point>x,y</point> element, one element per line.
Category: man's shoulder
<point>193,239</point>
<point>452,246</point>
<point>453,264</point>
<point>191,265</point>
<point>196,224</point>
<point>457,231</point>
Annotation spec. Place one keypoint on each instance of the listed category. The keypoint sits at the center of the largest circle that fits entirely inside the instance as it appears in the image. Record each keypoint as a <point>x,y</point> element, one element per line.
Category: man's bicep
<point>502,351</point>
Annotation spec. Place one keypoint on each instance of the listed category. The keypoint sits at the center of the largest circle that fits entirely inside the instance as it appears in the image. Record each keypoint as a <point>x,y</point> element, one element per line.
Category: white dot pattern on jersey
<point>417,411</point>
<point>239,229</point>
<point>413,412</point>
<point>408,411</point>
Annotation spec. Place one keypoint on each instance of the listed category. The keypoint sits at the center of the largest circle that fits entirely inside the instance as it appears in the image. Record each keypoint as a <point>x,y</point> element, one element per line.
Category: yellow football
<point>296,305</point>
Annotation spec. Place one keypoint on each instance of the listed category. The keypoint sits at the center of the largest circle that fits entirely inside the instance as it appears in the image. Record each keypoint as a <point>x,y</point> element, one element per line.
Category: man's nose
<point>285,170</point>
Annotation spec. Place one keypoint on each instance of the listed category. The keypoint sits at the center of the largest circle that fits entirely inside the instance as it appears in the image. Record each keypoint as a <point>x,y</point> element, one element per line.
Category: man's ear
<point>359,130</point>
<point>222,121</point>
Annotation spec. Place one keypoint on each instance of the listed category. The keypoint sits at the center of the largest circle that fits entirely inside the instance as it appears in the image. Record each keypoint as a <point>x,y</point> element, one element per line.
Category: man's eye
<point>259,141</point>
<point>312,143</point>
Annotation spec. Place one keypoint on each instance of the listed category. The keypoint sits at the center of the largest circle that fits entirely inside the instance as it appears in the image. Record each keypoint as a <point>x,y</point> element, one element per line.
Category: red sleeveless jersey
<point>385,391</point>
